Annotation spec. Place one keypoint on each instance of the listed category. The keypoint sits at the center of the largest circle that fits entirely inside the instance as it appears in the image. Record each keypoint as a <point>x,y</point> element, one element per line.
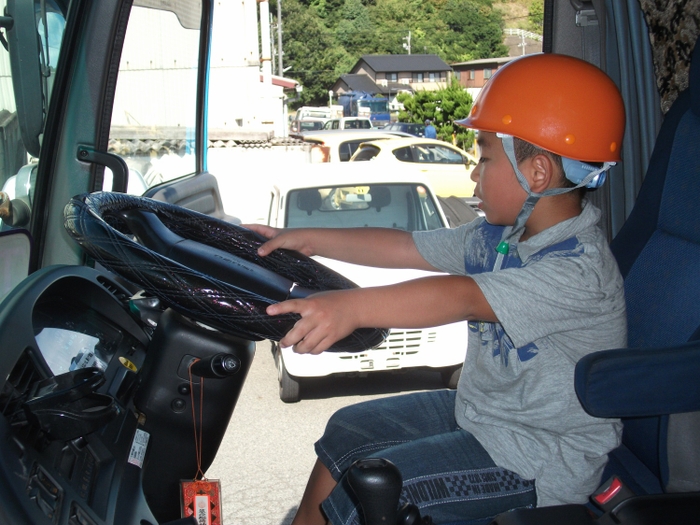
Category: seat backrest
<point>658,251</point>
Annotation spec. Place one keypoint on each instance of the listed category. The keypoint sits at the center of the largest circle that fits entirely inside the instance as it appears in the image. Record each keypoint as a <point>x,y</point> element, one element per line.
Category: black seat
<point>655,384</point>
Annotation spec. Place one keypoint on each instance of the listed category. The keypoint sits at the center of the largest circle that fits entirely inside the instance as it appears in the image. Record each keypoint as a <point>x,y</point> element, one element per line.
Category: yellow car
<point>447,167</point>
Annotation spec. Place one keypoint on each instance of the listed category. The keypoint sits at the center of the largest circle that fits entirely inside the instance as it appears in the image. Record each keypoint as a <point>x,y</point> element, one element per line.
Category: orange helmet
<point>560,103</point>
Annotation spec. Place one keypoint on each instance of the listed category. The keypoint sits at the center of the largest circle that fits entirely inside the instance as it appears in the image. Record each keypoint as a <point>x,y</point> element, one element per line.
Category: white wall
<point>237,98</point>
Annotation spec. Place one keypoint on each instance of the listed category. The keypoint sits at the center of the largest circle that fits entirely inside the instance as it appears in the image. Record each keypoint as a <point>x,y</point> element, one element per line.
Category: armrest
<point>640,382</point>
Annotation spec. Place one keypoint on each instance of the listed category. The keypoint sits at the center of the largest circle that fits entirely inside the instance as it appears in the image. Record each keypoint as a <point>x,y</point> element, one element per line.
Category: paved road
<point>267,453</point>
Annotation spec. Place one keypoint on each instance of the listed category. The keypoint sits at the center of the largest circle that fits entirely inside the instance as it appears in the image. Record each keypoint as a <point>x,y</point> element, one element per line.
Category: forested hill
<point>323,39</point>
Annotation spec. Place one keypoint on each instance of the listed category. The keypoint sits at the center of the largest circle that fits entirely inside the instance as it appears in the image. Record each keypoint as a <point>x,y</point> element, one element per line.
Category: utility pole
<point>407,43</point>
<point>279,38</point>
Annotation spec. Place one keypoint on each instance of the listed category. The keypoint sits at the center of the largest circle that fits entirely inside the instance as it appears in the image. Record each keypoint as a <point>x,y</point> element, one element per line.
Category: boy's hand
<point>281,238</point>
<point>326,317</point>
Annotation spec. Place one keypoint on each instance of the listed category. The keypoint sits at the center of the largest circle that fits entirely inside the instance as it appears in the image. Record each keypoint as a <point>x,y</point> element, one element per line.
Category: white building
<point>240,78</point>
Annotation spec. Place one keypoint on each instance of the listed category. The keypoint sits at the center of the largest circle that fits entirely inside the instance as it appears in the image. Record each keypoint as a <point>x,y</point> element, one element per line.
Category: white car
<point>340,195</point>
<point>339,146</point>
<point>447,167</point>
<point>348,123</point>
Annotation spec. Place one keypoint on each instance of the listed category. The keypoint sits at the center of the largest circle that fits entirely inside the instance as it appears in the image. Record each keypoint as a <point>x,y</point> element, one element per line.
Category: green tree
<point>354,28</point>
<point>303,30</point>
<point>471,29</point>
<point>323,39</point>
<point>535,16</point>
<point>444,107</point>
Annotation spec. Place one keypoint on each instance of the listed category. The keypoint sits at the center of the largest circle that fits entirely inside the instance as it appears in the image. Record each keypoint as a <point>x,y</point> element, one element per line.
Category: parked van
<point>348,123</point>
<point>312,112</point>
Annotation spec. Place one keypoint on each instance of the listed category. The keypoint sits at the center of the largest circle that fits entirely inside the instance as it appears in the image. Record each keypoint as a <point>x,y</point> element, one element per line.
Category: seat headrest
<point>309,201</point>
<point>381,196</point>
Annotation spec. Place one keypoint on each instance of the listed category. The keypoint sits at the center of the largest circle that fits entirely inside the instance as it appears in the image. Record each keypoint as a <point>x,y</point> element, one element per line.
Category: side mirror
<point>24,48</point>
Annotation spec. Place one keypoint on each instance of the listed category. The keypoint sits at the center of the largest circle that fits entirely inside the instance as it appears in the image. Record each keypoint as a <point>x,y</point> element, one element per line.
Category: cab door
<point>107,95</point>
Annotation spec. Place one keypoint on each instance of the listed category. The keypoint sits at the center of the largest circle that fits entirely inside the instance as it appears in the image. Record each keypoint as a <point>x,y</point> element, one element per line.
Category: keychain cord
<point>197,435</point>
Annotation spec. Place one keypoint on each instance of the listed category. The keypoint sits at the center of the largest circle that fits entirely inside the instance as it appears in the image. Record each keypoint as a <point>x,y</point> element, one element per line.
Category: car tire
<point>450,376</point>
<point>289,387</point>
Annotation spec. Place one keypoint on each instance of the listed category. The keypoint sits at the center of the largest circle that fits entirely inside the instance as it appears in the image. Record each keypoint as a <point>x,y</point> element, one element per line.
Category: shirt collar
<point>589,216</point>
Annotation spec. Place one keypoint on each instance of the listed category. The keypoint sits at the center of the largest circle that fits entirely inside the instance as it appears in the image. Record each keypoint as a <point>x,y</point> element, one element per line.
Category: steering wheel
<point>203,267</point>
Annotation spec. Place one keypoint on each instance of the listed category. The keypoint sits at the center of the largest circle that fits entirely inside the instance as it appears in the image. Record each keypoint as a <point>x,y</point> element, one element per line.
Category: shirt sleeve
<point>444,248</point>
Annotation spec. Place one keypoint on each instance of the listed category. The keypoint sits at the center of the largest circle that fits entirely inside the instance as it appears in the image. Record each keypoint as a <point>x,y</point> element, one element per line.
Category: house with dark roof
<point>391,74</point>
<point>475,73</point>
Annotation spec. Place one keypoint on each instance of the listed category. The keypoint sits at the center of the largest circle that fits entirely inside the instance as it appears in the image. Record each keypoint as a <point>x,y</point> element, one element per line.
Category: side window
<point>347,149</point>
<point>423,154</point>
<point>446,155</point>
<point>365,124</point>
<point>153,119</point>
<point>336,124</point>
<point>366,153</point>
<point>403,154</point>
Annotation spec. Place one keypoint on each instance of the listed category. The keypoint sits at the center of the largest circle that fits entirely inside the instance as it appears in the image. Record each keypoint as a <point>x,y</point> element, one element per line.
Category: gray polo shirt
<point>558,296</point>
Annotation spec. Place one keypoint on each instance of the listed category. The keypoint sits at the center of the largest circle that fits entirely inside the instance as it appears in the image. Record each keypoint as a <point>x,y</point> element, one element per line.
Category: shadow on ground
<point>374,383</point>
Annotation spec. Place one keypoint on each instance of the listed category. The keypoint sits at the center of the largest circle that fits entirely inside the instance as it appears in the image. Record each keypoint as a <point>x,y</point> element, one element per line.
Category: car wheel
<point>450,376</point>
<point>288,385</point>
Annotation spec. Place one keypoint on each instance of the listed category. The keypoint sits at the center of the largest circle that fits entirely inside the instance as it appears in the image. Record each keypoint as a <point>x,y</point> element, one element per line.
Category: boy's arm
<point>379,247</point>
<point>329,316</point>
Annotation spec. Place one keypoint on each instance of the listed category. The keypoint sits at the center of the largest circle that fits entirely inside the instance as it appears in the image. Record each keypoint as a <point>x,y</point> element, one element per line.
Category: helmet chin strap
<point>529,205</point>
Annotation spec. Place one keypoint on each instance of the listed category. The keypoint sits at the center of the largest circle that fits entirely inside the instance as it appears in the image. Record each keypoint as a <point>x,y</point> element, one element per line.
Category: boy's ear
<point>542,173</point>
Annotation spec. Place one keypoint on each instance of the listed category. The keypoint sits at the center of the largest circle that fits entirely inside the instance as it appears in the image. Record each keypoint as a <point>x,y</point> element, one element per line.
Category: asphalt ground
<point>267,453</point>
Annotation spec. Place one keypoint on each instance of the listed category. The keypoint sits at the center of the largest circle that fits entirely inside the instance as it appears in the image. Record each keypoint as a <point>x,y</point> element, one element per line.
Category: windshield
<point>374,106</point>
<point>406,207</point>
<point>153,129</point>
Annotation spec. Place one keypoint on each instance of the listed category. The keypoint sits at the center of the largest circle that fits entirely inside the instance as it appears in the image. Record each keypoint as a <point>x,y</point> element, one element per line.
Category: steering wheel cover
<point>93,220</point>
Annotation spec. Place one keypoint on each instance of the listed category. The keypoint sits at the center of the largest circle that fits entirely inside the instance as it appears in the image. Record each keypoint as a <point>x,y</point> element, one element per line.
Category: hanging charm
<point>200,497</point>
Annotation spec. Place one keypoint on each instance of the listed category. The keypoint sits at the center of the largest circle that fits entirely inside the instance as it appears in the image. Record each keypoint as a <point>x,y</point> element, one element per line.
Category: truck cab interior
<point>102,341</point>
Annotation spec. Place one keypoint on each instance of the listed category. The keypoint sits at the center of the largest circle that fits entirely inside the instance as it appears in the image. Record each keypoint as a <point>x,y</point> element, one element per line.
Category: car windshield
<point>310,125</point>
<point>403,206</point>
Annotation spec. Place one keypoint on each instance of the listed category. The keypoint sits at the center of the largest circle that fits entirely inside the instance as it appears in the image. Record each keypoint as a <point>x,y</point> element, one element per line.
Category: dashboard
<point>94,403</point>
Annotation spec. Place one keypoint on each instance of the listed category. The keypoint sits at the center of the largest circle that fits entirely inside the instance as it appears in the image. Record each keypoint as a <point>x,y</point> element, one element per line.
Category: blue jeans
<point>446,472</point>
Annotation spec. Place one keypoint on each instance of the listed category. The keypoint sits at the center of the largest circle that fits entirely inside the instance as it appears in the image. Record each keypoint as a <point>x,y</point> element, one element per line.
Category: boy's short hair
<point>526,150</point>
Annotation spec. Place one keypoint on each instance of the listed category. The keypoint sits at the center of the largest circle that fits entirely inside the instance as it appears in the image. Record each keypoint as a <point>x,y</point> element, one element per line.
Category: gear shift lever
<point>377,484</point>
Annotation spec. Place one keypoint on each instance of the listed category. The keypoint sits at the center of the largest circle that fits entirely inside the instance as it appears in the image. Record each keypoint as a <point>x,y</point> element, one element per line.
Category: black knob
<point>377,484</point>
<point>217,366</point>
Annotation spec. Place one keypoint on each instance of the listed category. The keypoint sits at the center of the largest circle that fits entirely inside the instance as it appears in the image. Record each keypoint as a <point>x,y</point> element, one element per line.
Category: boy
<point>537,283</point>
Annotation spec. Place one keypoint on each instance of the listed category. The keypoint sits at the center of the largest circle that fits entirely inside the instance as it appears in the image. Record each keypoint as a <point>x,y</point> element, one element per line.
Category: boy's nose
<point>474,176</point>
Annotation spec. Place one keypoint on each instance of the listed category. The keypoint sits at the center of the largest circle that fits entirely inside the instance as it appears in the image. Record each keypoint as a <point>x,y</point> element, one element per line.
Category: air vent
<point>116,290</point>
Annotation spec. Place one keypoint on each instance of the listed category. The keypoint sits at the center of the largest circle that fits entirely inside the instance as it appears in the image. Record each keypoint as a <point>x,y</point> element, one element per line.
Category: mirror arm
<point>6,22</point>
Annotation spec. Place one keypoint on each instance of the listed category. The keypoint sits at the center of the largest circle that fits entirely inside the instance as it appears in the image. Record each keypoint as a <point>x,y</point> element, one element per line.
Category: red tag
<point>201,499</point>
